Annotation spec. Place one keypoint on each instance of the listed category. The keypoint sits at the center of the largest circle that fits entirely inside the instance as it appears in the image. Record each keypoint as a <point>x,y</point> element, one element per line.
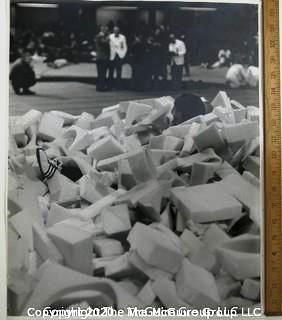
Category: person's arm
<point>182,49</point>
<point>124,45</point>
<point>171,50</point>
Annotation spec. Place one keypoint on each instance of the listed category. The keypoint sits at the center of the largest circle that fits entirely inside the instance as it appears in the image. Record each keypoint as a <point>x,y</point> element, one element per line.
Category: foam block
<point>85,121</point>
<point>161,156</point>
<point>96,208</point>
<point>143,267</point>
<point>252,113</point>
<point>63,190</point>
<point>251,289</point>
<point>209,138</point>
<point>205,259</point>
<point>227,286</point>
<point>196,286</point>
<point>136,112</point>
<point>201,205</point>
<point>22,223</point>
<point>242,190</point>
<point>188,139</point>
<point>154,247</point>
<point>119,267</point>
<point>107,247</point>
<point>104,119</point>
<point>252,164</point>
<point>209,118</point>
<point>179,131</point>
<point>239,132</point>
<point>252,179</point>
<point>239,111</point>
<point>105,148</point>
<point>146,294</point>
<point>99,265</point>
<point>45,246</point>
<point>150,203</point>
<point>240,256</point>
<point>225,169</point>
<point>19,135</point>
<point>116,220</point>
<point>56,279</point>
<point>29,118</point>
<point>142,165</point>
<point>17,250</point>
<point>56,214</point>
<point>221,99</point>
<point>132,286</point>
<point>76,139</point>
<point>99,133</point>
<point>131,142</point>
<point>88,191</point>
<point>190,243</point>
<point>87,226</point>
<point>202,172</point>
<point>68,118</point>
<point>165,290</point>
<point>214,236</point>
<point>166,143</point>
<point>226,115</point>
<point>50,127</point>
<point>75,245</point>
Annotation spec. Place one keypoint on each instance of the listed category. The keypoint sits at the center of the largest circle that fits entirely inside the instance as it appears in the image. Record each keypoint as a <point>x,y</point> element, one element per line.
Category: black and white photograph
<point>134,161</point>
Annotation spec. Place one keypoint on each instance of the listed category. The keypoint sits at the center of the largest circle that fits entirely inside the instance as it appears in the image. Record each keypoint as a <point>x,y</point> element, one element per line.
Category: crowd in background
<point>148,51</point>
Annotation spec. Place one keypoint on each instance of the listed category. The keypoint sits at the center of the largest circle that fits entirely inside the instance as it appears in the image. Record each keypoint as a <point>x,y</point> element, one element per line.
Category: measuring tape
<point>272,163</point>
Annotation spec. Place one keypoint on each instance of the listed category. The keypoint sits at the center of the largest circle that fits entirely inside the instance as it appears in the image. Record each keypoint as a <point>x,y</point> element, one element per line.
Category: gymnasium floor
<point>72,89</point>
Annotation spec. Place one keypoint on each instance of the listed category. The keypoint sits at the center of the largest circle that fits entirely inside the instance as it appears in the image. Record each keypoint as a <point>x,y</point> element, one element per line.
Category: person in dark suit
<point>137,63</point>
<point>103,57</point>
<point>22,75</point>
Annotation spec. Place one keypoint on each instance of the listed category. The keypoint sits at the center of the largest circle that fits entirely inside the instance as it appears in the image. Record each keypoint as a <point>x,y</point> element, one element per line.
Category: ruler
<point>272,160</point>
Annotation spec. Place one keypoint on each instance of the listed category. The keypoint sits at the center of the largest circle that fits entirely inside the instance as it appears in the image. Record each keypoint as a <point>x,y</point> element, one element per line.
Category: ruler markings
<point>272,116</point>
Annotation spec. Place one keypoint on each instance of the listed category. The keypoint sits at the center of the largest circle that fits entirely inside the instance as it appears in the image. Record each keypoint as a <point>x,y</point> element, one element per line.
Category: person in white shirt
<point>236,76</point>
<point>239,75</point>
<point>118,51</point>
<point>253,76</point>
<point>177,52</point>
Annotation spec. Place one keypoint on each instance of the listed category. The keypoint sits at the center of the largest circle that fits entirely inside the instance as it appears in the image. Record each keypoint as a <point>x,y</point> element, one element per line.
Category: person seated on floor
<point>241,75</point>
<point>22,75</point>
<point>253,76</point>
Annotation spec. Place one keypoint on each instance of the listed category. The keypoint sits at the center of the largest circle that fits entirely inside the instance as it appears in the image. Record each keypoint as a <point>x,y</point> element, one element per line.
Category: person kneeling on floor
<point>22,75</point>
<point>241,75</point>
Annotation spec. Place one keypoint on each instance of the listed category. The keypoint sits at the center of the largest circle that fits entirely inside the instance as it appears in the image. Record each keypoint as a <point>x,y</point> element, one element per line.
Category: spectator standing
<point>186,57</point>
<point>118,51</point>
<point>177,52</point>
<point>103,57</point>
<point>137,63</point>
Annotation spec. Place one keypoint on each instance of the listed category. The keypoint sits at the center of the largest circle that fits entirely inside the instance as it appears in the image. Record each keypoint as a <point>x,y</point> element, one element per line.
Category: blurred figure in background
<point>177,51</point>
<point>137,63</point>
<point>224,58</point>
<point>186,57</point>
<point>22,75</point>
<point>103,57</point>
<point>157,58</point>
<point>118,51</point>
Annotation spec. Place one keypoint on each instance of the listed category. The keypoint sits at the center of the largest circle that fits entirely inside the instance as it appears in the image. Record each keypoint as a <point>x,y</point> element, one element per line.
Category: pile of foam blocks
<point>165,218</point>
